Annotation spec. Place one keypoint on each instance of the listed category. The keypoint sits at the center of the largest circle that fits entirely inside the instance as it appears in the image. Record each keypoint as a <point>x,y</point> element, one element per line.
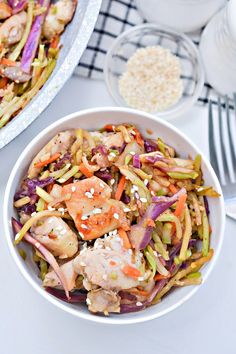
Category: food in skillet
<point>29,46</point>
<point>115,220</point>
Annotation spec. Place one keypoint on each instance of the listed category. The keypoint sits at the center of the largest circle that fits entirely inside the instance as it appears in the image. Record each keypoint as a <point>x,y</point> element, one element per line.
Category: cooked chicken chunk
<point>103,264</point>
<point>12,29</point>
<point>56,235</point>
<point>51,279</point>
<point>93,211</point>
<point>105,301</point>
<point>60,143</point>
<point>59,15</point>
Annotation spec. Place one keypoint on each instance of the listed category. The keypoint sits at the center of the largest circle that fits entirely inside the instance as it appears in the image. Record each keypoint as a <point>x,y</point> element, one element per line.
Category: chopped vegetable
<point>48,161</point>
<point>120,188</point>
<point>180,205</point>
<point>131,271</point>
<point>123,235</point>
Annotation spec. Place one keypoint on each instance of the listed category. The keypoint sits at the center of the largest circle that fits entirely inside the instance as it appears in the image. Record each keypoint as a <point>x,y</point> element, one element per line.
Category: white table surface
<point>31,325</point>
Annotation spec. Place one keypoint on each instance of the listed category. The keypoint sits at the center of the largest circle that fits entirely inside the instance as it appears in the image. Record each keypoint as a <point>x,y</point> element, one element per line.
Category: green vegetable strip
<point>167,233</point>
<point>151,261</point>
<point>182,175</point>
<point>174,219</point>
<point>181,274</point>
<point>206,233</point>
<point>16,52</point>
<point>194,275</point>
<point>69,174</point>
<point>159,247</point>
<point>187,234</point>
<point>159,266</point>
<point>40,205</point>
<point>43,268</point>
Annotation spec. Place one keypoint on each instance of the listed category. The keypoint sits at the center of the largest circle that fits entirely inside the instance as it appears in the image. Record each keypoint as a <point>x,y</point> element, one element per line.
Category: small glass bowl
<point>192,73</point>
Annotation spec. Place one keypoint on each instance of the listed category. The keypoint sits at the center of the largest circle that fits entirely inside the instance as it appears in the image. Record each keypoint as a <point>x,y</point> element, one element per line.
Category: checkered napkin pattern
<point>115,17</point>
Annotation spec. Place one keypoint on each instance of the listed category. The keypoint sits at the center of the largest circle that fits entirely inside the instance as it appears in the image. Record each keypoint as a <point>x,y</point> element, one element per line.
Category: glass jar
<point>218,50</point>
<point>181,15</point>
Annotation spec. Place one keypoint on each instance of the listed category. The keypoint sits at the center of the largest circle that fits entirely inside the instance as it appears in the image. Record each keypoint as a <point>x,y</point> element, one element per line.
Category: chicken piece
<point>59,15</point>
<point>56,191</point>
<point>60,143</point>
<point>113,140</point>
<point>102,265</point>
<point>14,73</point>
<point>52,280</point>
<point>5,11</point>
<point>55,234</point>
<point>91,208</point>
<point>12,29</point>
<point>105,301</point>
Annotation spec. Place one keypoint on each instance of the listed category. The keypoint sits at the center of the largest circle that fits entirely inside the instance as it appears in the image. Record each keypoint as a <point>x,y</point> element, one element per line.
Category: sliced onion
<point>75,296</point>
<point>17,226</point>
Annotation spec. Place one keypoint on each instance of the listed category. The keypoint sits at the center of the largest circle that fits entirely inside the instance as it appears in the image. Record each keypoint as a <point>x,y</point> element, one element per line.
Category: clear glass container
<point>218,50</point>
<point>181,15</point>
<point>192,73</point>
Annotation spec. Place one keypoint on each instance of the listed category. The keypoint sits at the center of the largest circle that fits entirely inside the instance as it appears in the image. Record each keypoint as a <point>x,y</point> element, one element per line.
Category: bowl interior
<point>96,118</point>
<point>151,35</point>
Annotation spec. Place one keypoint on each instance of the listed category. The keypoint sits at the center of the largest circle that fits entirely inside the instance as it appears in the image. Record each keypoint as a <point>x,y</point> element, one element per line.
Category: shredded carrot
<point>112,263</point>
<point>46,162</point>
<point>160,277</point>
<point>131,271</point>
<point>180,205</point>
<point>8,62</point>
<point>173,189</point>
<point>50,187</point>
<point>138,137</point>
<point>120,188</point>
<point>123,235</point>
<point>150,222</point>
<point>85,171</point>
<point>109,128</point>
<point>55,42</point>
<point>3,82</point>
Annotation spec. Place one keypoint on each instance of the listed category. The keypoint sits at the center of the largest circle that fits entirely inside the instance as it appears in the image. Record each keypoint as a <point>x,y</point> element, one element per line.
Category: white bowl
<point>94,119</point>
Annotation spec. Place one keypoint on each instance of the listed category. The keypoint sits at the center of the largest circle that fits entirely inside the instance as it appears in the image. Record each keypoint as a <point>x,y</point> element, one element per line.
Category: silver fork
<point>222,145</point>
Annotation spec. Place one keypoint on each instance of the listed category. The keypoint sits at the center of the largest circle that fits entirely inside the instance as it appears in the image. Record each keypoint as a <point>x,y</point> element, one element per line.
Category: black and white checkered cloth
<point>115,17</point>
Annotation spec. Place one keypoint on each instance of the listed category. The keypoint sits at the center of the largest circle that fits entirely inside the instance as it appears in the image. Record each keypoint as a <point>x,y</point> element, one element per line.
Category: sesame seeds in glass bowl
<point>154,69</point>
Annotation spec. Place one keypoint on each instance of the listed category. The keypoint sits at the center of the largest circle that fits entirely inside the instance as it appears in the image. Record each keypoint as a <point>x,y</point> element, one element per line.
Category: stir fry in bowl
<point>115,220</point>
<point>29,46</point>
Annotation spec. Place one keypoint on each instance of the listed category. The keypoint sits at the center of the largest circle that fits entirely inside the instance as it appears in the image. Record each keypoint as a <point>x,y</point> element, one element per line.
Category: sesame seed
<point>81,234</point>
<point>83,226</point>
<point>82,264</point>
<point>115,232</point>
<point>143,200</point>
<point>50,208</point>
<point>84,217</point>
<point>37,244</point>
<point>112,181</point>
<point>155,253</point>
<point>62,180</point>
<point>132,153</point>
<point>17,236</point>
<point>140,278</point>
<point>130,251</point>
<point>92,191</point>
<point>112,154</point>
<point>135,187</point>
<point>126,210</point>
<point>116,216</point>
<point>152,193</point>
<point>88,301</point>
<point>132,132</point>
<point>88,195</point>
<point>138,303</point>
<point>63,232</point>
<point>104,276</point>
<point>108,248</point>
<point>146,182</point>
<point>101,185</point>
<point>97,211</point>
<point>136,195</point>
<point>61,210</point>
<point>73,188</point>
